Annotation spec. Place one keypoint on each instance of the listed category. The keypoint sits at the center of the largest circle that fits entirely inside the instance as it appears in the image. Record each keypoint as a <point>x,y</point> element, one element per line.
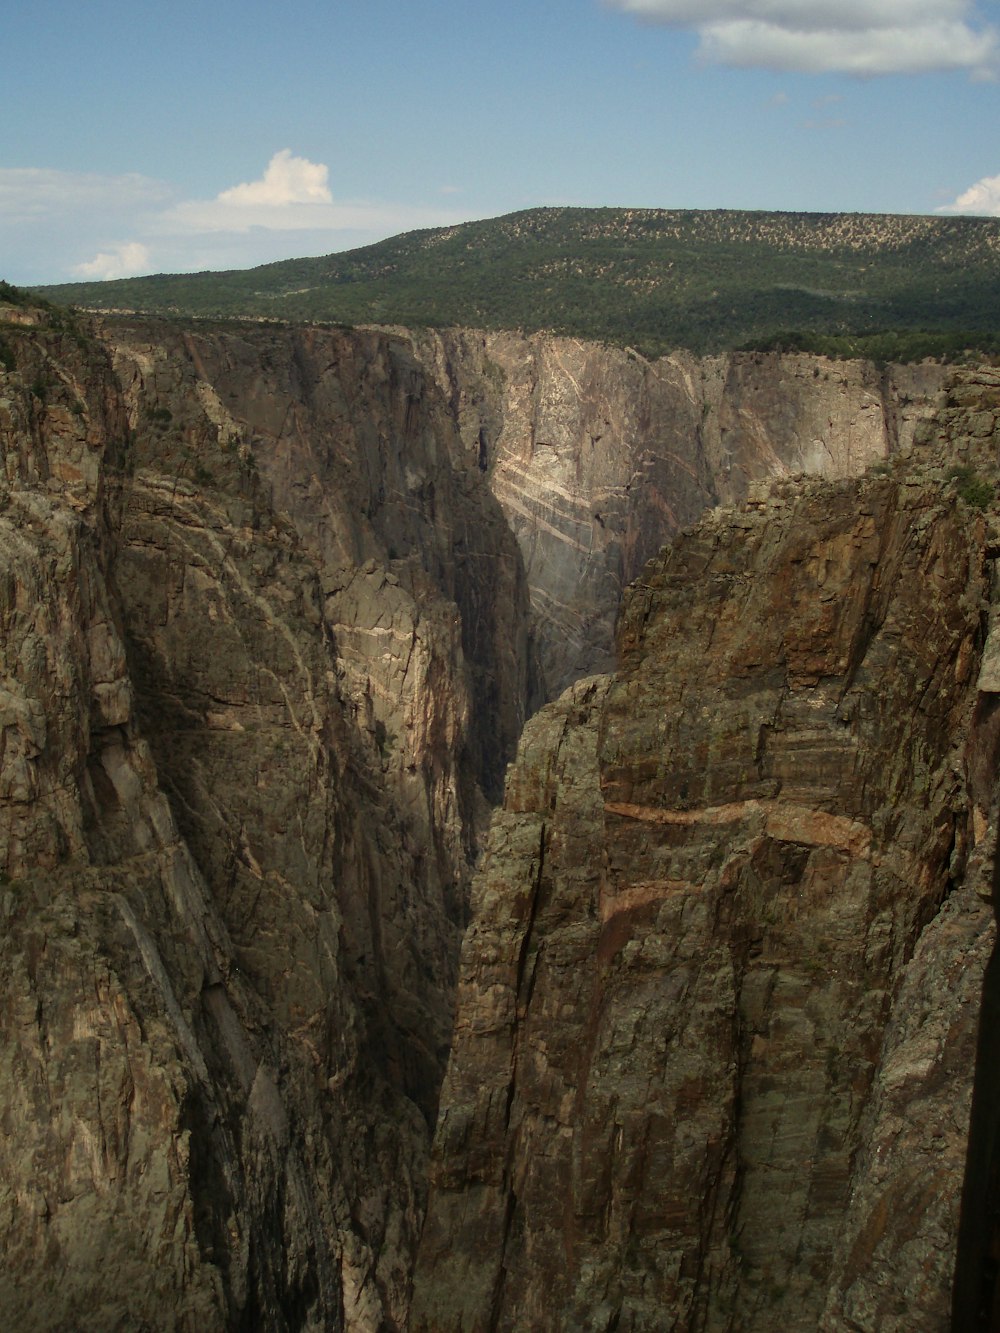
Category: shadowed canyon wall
<point>276,605</point>
<point>245,764</point>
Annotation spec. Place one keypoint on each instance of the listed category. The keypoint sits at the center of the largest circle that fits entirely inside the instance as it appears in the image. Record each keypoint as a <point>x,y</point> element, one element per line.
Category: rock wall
<point>598,457</point>
<point>716,1026</point>
<point>245,762</point>
<point>595,456</point>
<point>276,603</point>
<point>422,585</point>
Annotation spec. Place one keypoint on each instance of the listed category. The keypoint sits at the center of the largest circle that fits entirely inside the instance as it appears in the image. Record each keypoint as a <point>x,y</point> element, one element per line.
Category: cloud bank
<point>123,261</point>
<point>859,37</point>
<point>292,195</point>
<point>103,226</point>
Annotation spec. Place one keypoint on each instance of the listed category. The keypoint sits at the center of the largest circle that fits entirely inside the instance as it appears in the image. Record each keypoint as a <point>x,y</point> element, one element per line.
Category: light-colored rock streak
<point>157,973</point>
<point>191,515</point>
<point>557,356</point>
<point>538,522</point>
<point>783,821</point>
<point>508,468</point>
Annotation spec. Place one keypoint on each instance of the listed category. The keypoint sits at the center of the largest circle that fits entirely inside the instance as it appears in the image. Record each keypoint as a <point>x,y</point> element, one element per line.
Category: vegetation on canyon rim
<point>885,287</point>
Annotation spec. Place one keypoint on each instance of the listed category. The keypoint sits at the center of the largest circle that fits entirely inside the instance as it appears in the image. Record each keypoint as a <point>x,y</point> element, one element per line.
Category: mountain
<point>652,279</point>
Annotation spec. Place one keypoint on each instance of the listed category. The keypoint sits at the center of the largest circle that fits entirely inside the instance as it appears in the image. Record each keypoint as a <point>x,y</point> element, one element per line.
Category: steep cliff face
<point>595,456</point>
<point>598,457</point>
<point>244,765</point>
<point>717,1010</point>
<point>422,585</point>
<point>268,646</point>
<point>99,1060</point>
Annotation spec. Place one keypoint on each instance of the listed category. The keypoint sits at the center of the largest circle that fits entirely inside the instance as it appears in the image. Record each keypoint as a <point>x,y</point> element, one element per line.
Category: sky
<point>146,136</point>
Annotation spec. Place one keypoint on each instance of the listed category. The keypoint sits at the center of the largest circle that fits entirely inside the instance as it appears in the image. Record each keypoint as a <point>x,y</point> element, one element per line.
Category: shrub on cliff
<point>971,487</point>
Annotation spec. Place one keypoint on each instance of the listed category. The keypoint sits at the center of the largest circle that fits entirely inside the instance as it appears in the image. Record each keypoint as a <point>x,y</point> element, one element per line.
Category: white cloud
<point>983,199</point>
<point>876,50</point>
<point>292,195</point>
<point>801,14</point>
<point>861,37</point>
<point>124,261</point>
<point>286,180</point>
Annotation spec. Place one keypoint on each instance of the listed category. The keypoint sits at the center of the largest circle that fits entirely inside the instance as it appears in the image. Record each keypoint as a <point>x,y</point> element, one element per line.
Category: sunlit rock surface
<point>717,1013</point>
<point>598,456</point>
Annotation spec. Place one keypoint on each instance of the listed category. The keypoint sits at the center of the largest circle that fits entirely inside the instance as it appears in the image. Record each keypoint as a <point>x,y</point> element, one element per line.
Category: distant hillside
<point>650,278</point>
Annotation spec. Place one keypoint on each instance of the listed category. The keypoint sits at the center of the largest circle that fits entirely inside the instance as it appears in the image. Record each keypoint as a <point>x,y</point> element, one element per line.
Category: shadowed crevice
<point>976,1297</point>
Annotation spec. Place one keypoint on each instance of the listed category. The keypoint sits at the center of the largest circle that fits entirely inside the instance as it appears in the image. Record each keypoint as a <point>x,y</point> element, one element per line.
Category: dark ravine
<point>276,605</point>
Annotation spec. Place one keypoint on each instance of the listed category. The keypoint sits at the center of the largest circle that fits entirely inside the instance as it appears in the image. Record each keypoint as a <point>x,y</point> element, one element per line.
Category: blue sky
<point>152,137</point>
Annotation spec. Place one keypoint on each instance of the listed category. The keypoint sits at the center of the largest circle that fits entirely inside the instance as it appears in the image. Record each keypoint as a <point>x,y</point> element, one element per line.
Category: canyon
<point>701,651</point>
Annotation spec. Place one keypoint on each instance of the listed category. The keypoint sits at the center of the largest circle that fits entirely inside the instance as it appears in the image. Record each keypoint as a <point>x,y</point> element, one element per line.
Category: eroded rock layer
<point>717,1010</point>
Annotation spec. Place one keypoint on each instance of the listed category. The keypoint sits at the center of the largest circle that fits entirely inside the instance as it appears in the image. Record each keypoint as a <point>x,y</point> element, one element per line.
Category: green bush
<point>971,487</point>
<point>12,295</point>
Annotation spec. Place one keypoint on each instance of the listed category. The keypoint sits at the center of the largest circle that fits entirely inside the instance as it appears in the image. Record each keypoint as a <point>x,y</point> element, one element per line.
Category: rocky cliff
<point>598,456</point>
<point>717,1013</point>
<point>245,762</point>
<point>276,604</point>
<point>595,456</point>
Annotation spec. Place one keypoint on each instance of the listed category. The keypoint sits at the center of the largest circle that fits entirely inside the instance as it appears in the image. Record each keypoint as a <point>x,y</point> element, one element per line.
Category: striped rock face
<point>598,456</point>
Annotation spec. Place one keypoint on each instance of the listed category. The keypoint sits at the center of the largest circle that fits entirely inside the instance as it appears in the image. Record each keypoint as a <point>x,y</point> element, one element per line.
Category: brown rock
<point>242,772</point>
<point>717,1009</point>
<point>267,649</point>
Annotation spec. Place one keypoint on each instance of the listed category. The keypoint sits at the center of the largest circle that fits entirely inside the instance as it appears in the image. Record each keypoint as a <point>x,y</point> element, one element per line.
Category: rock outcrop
<point>717,1012</point>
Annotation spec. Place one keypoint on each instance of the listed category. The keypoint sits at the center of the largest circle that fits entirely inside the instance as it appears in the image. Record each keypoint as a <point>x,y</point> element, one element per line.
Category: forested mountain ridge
<point>653,279</point>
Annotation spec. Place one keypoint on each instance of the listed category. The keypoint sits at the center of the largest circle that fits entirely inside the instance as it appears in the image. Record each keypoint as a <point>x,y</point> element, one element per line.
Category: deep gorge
<point>278,604</point>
